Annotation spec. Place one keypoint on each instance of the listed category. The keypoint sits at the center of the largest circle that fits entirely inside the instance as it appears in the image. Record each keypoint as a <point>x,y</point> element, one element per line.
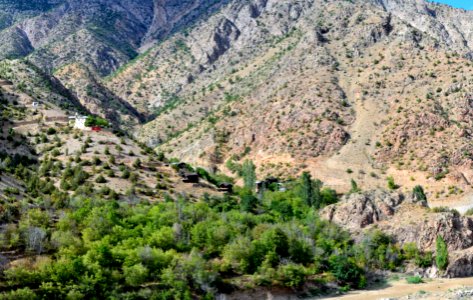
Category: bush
<point>55,153</point>
<point>137,163</point>
<point>418,193</point>
<point>345,270</point>
<point>291,275</point>
<point>51,131</point>
<point>440,209</point>
<point>20,294</point>
<point>391,184</point>
<point>414,280</point>
<point>410,250</point>
<point>135,275</point>
<point>424,260</point>
<point>100,179</point>
<point>95,121</point>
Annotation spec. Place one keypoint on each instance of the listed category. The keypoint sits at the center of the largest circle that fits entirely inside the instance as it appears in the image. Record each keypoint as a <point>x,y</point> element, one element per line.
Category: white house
<point>79,121</point>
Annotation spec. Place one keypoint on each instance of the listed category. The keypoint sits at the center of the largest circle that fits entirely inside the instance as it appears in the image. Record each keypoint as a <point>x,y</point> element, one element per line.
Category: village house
<point>189,177</point>
<point>78,122</point>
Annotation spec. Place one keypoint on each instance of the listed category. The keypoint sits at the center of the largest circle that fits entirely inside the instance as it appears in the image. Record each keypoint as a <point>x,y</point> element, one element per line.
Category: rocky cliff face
<point>408,221</point>
<point>450,27</point>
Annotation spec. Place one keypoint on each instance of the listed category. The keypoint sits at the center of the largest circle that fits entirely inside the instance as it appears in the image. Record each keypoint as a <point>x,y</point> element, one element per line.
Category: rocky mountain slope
<point>324,85</point>
<point>41,137</point>
<point>101,34</point>
<point>370,87</point>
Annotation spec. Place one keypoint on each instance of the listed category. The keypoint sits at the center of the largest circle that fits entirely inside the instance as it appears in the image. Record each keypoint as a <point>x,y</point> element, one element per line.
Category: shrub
<point>100,179</point>
<point>354,187</point>
<point>126,174</point>
<point>391,184</point>
<point>51,131</point>
<point>414,280</point>
<point>137,163</point>
<point>418,193</point>
<point>441,257</point>
<point>291,275</point>
<point>440,209</point>
<point>95,121</point>
<point>345,269</point>
<point>55,153</point>
<point>424,260</point>
<point>135,275</point>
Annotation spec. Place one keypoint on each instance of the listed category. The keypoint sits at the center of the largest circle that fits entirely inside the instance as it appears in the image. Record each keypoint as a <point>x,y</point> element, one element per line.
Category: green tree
<point>135,275</point>
<point>418,193</point>
<point>307,189</point>
<point>442,253</point>
<point>248,201</point>
<point>249,174</point>
<point>345,270</point>
<point>391,184</point>
<point>310,190</point>
<point>354,187</point>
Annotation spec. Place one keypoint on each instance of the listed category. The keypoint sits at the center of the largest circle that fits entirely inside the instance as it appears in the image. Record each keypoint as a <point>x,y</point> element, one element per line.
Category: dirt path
<point>434,289</point>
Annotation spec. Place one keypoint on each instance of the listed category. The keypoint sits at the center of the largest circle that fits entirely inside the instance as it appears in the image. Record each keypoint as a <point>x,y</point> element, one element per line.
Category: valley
<point>190,149</point>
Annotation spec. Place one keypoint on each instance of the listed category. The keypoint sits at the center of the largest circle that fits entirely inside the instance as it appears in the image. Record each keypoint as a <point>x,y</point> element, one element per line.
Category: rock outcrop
<point>460,263</point>
<point>357,211</point>
<point>408,221</point>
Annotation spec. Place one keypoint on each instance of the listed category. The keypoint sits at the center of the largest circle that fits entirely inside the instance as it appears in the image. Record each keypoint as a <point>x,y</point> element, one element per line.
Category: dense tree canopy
<point>89,244</point>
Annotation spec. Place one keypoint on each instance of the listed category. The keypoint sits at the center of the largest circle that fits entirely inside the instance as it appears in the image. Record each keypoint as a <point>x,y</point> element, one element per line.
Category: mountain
<point>102,34</point>
<point>364,86</point>
<point>291,85</point>
<point>248,147</point>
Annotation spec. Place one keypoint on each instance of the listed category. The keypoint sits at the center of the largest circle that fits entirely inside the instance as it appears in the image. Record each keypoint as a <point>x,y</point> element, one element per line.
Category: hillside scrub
<point>91,244</point>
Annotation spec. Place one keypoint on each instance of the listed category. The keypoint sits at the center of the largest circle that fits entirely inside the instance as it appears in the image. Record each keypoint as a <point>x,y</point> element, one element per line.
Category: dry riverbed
<point>432,289</point>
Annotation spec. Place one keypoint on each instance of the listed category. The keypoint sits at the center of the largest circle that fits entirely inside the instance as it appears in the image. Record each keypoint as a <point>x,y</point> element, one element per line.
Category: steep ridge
<point>95,97</point>
<point>103,34</point>
<point>295,83</point>
<point>450,27</point>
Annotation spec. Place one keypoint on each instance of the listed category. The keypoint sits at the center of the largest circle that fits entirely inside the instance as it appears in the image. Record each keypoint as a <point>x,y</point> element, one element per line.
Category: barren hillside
<point>330,86</point>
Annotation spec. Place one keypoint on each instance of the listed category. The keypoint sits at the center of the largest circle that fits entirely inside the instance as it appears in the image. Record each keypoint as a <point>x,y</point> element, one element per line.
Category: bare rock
<point>460,264</point>
<point>356,211</point>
